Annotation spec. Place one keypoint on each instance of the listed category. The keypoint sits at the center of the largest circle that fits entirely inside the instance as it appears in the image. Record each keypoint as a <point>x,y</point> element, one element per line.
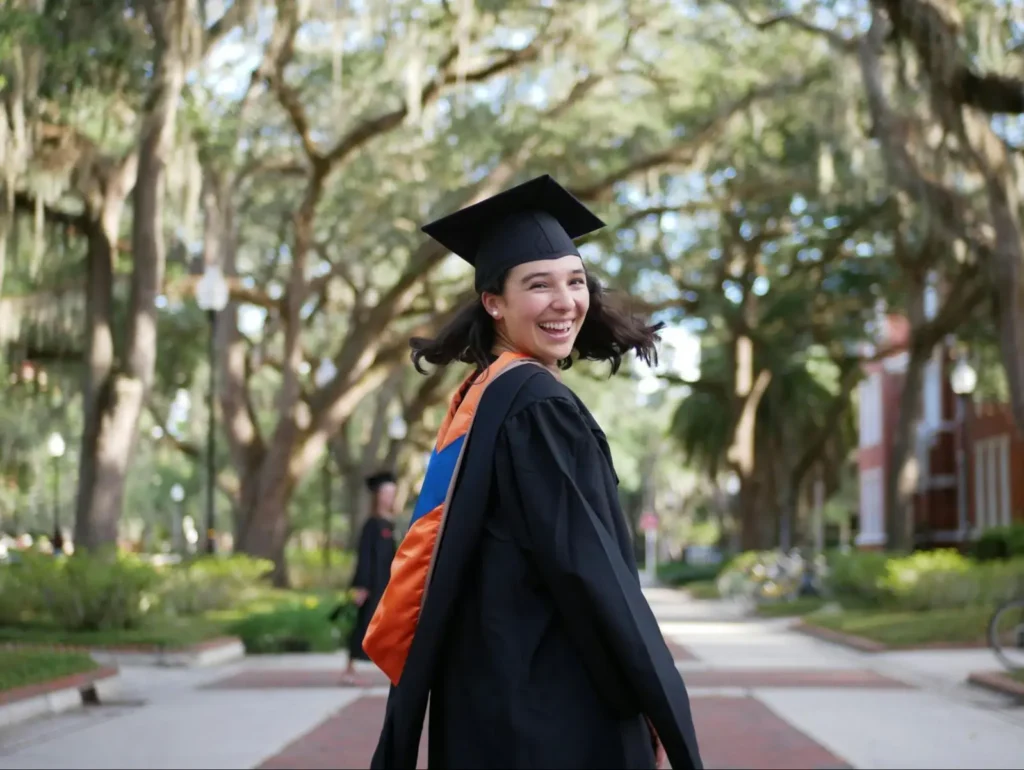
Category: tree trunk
<point>743,453</point>
<point>750,507</point>
<point>98,505</point>
<point>264,527</point>
<point>267,529</point>
<point>789,504</point>
<point>900,481</point>
<point>115,401</point>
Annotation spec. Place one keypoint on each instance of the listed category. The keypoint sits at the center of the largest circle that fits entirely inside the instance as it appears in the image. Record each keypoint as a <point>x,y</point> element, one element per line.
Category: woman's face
<point>542,307</point>
<point>384,498</point>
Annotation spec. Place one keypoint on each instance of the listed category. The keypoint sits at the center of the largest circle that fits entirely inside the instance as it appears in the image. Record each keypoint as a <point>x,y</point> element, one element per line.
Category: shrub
<point>306,569</point>
<point>1000,543</point>
<point>746,571</point>
<point>86,592</point>
<point>211,583</point>
<point>945,579</point>
<point>1000,581</point>
<point>300,627</point>
<point>678,573</point>
<point>928,580</point>
<point>858,576</point>
<point>704,589</point>
<point>13,607</point>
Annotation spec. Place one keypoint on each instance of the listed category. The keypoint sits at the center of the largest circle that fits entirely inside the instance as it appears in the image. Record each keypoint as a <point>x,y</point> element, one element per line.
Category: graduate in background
<point>373,563</point>
<point>514,604</point>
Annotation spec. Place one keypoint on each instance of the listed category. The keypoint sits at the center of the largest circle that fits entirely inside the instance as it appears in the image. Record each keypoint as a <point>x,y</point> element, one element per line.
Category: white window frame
<point>872,508</point>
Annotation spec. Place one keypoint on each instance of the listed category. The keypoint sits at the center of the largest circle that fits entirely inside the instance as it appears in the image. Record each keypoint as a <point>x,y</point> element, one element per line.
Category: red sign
<point>648,522</point>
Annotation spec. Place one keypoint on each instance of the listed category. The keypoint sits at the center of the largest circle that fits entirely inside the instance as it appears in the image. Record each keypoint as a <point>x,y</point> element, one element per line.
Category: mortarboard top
<point>536,220</point>
<point>374,482</point>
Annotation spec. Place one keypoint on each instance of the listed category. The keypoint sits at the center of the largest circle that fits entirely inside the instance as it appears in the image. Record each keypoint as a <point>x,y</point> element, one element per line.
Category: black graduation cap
<point>536,220</point>
<point>377,480</point>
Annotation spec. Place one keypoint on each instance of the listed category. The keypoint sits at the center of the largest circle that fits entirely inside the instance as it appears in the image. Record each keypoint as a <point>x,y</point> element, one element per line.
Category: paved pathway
<point>763,697</point>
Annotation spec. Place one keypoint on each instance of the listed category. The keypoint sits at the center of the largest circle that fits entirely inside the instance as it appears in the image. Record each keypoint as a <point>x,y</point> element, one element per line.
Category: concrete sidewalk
<point>763,696</point>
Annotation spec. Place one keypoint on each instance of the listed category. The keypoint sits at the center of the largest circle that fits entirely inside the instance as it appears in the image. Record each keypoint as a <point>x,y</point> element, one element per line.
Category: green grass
<point>19,668</point>
<point>909,629</point>
<point>267,606</point>
<point>169,633</point>
<point>703,589</point>
<point>1017,676</point>
<point>803,605</point>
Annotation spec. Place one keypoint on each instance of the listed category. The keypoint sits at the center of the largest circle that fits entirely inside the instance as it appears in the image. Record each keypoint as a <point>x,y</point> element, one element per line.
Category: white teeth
<point>559,327</point>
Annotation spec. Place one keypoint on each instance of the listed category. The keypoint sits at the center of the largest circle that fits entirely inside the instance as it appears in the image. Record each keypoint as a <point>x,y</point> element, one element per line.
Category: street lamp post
<point>963,379</point>
<point>56,447</point>
<point>177,529</point>
<point>212,296</point>
<point>323,375</point>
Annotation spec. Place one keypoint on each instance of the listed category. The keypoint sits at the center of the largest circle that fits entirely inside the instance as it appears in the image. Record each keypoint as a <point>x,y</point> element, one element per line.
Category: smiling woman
<point>513,602</point>
<point>536,297</point>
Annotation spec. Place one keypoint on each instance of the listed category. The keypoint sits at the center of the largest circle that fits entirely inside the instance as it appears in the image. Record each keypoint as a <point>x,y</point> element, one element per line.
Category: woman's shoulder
<point>545,394</point>
<point>543,390</point>
<point>545,406</point>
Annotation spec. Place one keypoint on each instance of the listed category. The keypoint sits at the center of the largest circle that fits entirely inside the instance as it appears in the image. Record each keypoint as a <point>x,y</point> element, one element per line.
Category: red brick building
<point>968,458</point>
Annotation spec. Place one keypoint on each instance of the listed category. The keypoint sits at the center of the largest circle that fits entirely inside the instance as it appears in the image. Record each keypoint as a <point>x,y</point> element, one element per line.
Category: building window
<point>980,515</point>
<point>872,508</point>
<point>992,483</point>
<point>871,411</point>
<point>992,503</point>
<point>933,394</point>
<point>1003,443</point>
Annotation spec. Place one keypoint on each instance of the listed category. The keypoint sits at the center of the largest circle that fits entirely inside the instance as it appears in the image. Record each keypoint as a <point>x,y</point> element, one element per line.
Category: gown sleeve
<point>555,474</point>
<point>365,556</point>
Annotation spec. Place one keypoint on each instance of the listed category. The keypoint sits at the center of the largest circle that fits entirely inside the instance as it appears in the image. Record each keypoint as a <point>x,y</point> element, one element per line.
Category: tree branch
<point>690,150</point>
<point>933,30</point>
<point>280,51</point>
<point>232,17</point>
<point>793,20</point>
<point>446,75</point>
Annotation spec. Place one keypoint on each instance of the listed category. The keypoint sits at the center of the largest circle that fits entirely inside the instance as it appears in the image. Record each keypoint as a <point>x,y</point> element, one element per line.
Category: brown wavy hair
<point>608,333</point>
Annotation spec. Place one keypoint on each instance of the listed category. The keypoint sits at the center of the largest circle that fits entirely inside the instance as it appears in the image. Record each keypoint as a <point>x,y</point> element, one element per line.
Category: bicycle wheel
<point>1006,634</point>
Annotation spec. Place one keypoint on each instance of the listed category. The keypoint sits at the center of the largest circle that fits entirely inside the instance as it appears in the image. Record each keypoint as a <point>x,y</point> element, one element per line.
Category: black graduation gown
<point>373,568</point>
<point>548,655</point>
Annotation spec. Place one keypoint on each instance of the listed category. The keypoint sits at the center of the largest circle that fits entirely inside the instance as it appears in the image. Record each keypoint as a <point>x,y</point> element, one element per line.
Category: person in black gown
<point>373,563</point>
<point>535,643</point>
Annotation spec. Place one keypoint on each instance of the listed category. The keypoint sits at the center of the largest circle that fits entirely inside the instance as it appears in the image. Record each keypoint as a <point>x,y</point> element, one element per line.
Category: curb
<point>212,652</point>
<point>863,644</point>
<point>838,637</point>
<point>998,682</point>
<point>57,695</point>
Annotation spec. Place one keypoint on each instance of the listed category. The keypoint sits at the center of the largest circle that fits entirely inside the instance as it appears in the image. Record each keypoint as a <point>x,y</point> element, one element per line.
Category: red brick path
<point>346,740</point>
<point>679,653</point>
<point>274,679</point>
<point>733,733</point>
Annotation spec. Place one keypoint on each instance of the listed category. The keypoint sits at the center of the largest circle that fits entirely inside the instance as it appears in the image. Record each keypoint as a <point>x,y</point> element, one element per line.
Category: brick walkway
<point>274,679</point>
<point>733,732</point>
